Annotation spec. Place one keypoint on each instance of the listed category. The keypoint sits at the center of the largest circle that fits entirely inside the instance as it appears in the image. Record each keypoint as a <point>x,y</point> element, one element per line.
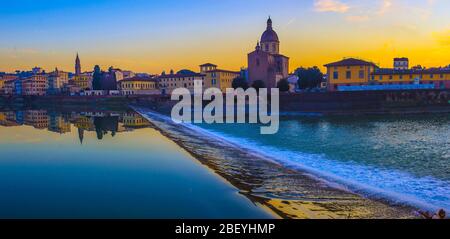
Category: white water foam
<point>427,193</point>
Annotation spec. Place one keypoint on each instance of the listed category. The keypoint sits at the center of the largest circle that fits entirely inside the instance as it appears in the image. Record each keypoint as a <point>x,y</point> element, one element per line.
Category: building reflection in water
<point>102,123</point>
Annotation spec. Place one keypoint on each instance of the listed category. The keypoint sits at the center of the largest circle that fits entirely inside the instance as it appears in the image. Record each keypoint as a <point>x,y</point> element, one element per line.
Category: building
<point>134,121</point>
<point>222,79</point>
<point>36,118</point>
<point>128,74</point>
<point>401,63</point>
<point>266,63</point>
<point>3,79</point>
<point>170,82</point>
<point>77,65</point>
<point>349,72</point>
<point>58,123</point>
<point>37,70</point>
<point>18,87</point>
<point>431,78</point>
<point>34,85</point>
<point>83,81</point>
<point>2,86</point>
<point>116,73</point>
<point>57,80</point>
<point>8,87</point>
<point>293,83</point>
<point>138,86</point>
<point>358,75</point>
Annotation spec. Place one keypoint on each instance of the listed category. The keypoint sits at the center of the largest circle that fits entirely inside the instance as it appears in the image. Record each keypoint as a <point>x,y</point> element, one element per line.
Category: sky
<point>152,36</point>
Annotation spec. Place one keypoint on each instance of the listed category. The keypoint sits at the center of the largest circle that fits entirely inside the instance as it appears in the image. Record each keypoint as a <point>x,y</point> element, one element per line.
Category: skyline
<point>152,37</point>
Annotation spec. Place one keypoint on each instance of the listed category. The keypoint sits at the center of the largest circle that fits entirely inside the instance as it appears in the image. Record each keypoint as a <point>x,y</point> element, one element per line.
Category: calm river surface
<point>105,165</point>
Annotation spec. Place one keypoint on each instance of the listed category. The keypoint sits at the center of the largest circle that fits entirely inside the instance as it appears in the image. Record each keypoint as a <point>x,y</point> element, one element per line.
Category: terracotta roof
<point>280,55</point>
<point>227,71</point>
<point>137,78</point>
<point>351,62</point>
<point>181,75</point>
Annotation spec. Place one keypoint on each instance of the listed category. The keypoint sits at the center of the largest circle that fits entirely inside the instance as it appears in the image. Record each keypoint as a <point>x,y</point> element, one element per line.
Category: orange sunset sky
<point>150,36</point>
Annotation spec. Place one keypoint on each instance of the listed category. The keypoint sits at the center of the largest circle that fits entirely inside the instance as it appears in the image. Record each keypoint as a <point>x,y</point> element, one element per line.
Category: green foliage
<point>258,84</point>
<point>96,79</point>
<point>309,78</point>
<point>283,85</point>
<point>240,82</point>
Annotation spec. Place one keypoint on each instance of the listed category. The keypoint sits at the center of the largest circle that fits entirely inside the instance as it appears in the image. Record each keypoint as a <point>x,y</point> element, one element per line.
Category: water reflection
<point>101,122</point>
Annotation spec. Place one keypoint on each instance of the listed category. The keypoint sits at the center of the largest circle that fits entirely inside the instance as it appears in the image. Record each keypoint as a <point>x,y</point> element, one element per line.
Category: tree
<point>258,84</point>
<point>309,78</point>
<point>97,78</point>
<point>240,82</point>
<point>283,85</point>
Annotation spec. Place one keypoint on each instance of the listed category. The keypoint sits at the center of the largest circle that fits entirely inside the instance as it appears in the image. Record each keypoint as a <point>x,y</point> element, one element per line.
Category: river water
<point>405,159</point>
<point>105,164</point>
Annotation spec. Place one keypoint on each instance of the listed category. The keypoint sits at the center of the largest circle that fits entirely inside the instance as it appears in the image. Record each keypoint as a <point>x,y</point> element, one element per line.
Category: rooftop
<point>351,62</point>
<point>390,71</point>
<point>209,64</point>
<point>226,71</point>
<point>181,75</point>
<point>139,78</point>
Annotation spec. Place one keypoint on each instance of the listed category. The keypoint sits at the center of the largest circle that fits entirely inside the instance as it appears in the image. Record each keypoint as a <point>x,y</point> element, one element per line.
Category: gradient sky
<point>151,36</point>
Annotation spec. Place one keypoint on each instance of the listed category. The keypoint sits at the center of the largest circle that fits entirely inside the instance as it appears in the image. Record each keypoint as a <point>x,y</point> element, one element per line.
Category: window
<point>431,76</point>
<point>348,75</point>
<point>335,75</point>
<point>362,74</point>
<point>401,77</point>
<point>391,77</point>
<point>381,77</point>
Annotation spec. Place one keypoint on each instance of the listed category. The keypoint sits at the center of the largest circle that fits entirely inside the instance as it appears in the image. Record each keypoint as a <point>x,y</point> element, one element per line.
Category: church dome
<point>269,35</point>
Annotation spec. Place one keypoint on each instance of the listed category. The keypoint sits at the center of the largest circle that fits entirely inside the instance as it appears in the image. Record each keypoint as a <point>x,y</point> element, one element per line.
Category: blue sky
<point>157,35</point>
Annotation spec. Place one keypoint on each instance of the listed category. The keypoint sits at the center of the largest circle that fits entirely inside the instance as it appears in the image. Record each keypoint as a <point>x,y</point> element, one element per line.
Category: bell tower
<point>77,66</point>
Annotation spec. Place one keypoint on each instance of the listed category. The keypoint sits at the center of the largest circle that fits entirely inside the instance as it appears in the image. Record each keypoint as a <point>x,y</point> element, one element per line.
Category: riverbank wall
<point>326,103</point>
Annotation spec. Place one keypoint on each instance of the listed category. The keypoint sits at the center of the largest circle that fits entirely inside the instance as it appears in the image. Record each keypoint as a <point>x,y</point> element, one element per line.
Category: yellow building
<point>2,116</point>
<point>57,80</point>
<point>84,123</point>
<point>138,86</point>
<point>355,74</point>
<point>349,72</point>
<point>222,79</point>
<point>2,85</point>
<point>133,120</point>
<point>168,83</point>
<point>439,77</point>
<point>3,79</point>
<point>59,124</point>
<point>82,81</point>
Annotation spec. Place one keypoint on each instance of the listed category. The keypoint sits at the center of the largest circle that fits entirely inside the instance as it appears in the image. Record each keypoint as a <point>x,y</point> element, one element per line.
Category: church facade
<point>266,63</point>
